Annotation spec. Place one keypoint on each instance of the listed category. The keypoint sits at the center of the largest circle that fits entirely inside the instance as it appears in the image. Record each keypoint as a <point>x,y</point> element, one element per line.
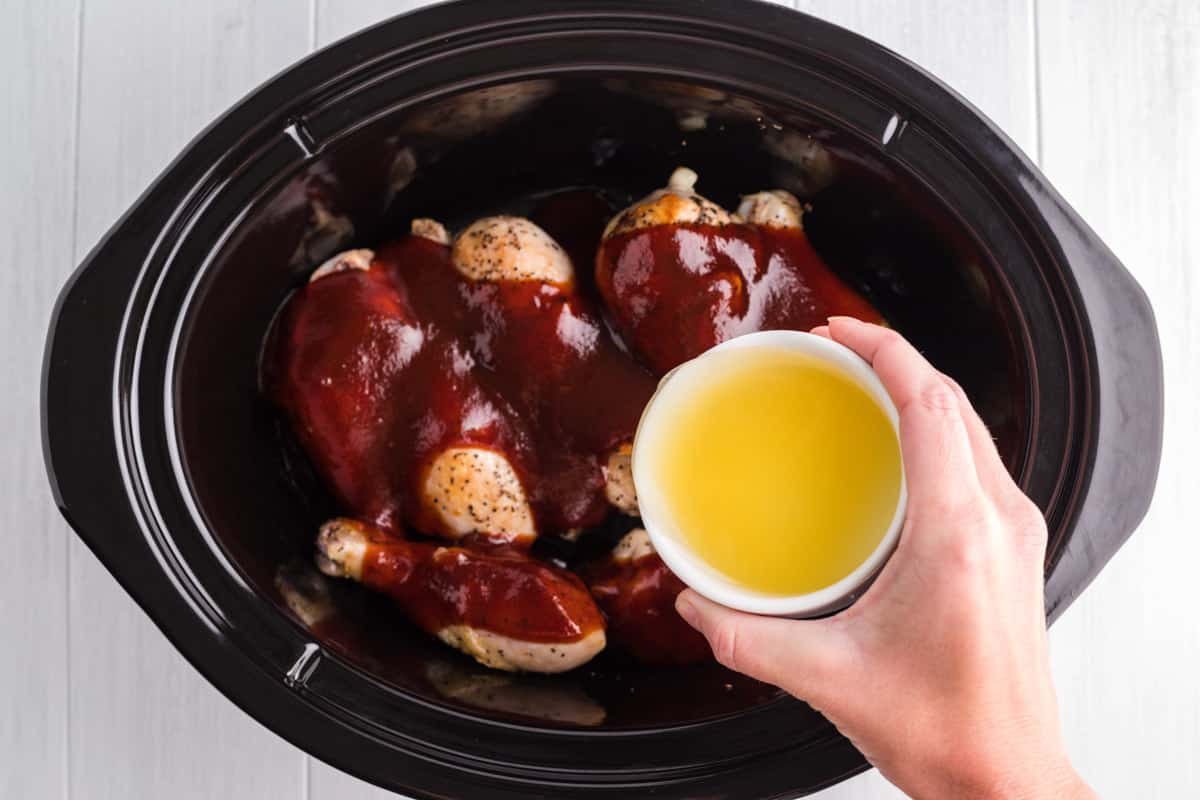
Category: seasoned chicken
<point>391,411</point>
<point>618,480</point>
<point>567,362</point>
<point>350,259</point>
<point>510,249</point>
<point>633,547</point>
<point>475,112</point>
<point>514,694</point>
<point>475,490</point>
<point>305,592</point>
<point>773,209</point>
<point>810,166</point>
<point>679,274</point>
<point>637,594</point>
<point>500,606</point>
<point>675,203</point>
<point>430,229</point>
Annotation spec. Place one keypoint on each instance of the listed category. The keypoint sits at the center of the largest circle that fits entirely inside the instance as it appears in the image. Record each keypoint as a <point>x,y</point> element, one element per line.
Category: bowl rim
<point>689,566</point>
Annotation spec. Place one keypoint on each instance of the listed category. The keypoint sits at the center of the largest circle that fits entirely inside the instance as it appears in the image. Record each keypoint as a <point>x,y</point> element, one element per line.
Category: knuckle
<point>969,530</point>
<point>724,641</point>
<point>1028,515</point>
<point>1028,520</point>
<point>887,343</point>
<point>960,512</point>
<point>960,394</point>
<point>954,386</point>
<point>969,549</point>
<point>889,337</point>
<point>939,398</point>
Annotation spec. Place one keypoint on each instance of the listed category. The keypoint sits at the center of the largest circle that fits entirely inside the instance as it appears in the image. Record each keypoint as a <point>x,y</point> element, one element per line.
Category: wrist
<point>1007,773</point>
<point>1072,787</point>
<point>1056,781</point>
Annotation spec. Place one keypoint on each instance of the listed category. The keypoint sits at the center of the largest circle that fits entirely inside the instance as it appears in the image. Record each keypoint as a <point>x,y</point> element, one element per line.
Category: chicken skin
<point>677,203</point>
<point>391,412</point>
<point>409,375</point>
<point>469,389</point>
<point>679,274</point>
<point>637,593</point>
<point>586,395</point>
<point>772,209</point>
<point>510,249</point>
<point>500,606</point>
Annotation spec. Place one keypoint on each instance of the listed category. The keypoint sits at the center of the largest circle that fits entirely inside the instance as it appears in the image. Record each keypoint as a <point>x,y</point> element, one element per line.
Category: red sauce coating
<point>541,349</point>
<point>501,590</point>
<point>383,369</point>
<point>676,290</point>
<point>380,370</point>
<point>373,391</point>
<point>638,598</point>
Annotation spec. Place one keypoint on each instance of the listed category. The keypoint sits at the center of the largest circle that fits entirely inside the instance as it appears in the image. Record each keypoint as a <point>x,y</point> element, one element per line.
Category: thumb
<point>806,658</point>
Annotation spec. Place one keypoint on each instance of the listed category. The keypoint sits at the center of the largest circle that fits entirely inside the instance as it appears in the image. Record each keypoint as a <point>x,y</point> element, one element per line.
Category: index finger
<point>937,456</point>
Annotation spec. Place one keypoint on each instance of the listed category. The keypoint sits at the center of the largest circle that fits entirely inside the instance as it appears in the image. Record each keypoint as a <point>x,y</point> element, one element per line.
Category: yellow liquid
<point>778,471</point>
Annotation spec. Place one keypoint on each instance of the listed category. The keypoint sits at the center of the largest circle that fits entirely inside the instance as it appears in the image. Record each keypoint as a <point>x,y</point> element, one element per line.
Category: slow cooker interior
<point>506,149</point>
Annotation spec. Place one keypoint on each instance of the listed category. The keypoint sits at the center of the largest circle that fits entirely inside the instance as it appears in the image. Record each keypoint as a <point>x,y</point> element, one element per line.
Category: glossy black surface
<point>168,462</point>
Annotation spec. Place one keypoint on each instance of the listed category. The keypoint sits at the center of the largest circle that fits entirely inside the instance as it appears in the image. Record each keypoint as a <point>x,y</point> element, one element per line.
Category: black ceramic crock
<point>167,460</point>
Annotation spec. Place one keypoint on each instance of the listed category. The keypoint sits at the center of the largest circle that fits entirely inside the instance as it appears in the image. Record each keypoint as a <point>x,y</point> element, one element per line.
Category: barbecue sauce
<point>638,598</point>
<point>674,291</point>
<point>495,589</point>
<point>382,369</point>
<point>379,370</point>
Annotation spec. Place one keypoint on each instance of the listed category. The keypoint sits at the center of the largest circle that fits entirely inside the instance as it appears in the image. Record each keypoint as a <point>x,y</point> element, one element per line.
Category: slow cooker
<point>166,458</point>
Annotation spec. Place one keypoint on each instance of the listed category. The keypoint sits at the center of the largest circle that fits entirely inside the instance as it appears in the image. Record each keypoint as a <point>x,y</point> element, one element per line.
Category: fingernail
<point>686,608</point>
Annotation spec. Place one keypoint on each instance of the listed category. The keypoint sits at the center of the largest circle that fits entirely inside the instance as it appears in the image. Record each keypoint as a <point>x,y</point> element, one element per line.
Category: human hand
<point>939,673</point>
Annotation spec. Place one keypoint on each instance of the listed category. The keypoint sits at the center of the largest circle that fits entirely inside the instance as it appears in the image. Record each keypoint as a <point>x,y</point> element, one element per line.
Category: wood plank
<point>1121,111</point>
<point>143,722</point>
<point>983,50</point>
<point>38,52</point>
<point>336,20</point>
<point>330,783</point>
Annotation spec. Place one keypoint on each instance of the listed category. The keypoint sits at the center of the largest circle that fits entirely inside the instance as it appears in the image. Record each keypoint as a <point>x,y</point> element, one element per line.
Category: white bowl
<point>690,567</point>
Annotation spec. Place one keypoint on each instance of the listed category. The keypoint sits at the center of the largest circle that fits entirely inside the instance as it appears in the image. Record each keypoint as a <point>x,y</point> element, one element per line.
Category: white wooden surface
<point>98,95</point>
